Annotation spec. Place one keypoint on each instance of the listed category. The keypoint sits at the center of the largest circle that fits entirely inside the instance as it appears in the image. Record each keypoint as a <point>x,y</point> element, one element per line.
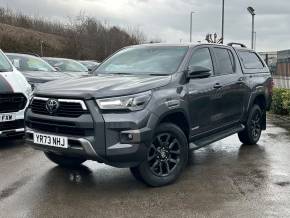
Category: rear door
<point>228,101</point>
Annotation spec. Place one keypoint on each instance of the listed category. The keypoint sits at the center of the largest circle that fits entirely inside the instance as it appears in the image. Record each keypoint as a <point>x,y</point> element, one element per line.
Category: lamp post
<point>190,28</point>
<point>41,48</point>
<point>223,21</point>
<point>255,40</point>
<point>251,10</point>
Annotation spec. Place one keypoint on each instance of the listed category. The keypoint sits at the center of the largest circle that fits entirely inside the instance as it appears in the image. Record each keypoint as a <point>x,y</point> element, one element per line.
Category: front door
<point>200,92</point>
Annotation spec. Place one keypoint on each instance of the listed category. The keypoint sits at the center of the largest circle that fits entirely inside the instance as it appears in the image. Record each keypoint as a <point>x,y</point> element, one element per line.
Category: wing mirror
<point>90,70</point>
<point>57,68</point>
<point>198,72</point>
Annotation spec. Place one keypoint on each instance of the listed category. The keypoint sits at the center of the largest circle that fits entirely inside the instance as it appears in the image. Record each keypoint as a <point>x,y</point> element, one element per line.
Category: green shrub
<point>286,100</point>
<point>281,101</point>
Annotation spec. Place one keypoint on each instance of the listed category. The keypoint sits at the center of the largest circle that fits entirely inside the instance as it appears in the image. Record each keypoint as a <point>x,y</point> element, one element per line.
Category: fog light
<point>130,136</point>
<point>127,137</point>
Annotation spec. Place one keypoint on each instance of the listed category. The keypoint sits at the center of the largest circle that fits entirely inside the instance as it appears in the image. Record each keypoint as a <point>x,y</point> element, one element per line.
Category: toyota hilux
<point>148,106</point>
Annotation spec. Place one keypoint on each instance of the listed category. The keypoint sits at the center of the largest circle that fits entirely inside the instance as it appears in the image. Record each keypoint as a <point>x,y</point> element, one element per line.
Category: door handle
<point>217,86</point>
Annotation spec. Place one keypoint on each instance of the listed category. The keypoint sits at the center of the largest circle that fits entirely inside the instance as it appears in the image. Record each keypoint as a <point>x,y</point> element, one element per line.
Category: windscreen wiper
<point>158,74</point>
<point>122,73</point>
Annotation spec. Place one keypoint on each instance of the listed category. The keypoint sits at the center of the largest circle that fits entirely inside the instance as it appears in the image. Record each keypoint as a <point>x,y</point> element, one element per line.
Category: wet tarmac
<point>225,179</point>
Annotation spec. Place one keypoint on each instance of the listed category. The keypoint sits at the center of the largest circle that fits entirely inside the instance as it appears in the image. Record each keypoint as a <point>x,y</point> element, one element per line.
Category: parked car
<point>68,65</point>
<point>35,69</point>
<point>15,93</point>
<point>149,105</point>
<point>91,65</point>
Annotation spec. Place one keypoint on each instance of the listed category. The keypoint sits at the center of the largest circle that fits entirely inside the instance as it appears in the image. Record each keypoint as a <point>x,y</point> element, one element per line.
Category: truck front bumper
<point>130,152</point>
<point>119,140</point>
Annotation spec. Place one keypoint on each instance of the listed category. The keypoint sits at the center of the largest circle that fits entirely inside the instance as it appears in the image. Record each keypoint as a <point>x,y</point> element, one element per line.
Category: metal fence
<point>279,65</point>
<point>282,82</point>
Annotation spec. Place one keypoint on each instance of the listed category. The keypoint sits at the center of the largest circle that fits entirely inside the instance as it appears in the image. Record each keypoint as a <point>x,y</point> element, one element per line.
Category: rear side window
<point>225,61</point>
<point>250,60</point>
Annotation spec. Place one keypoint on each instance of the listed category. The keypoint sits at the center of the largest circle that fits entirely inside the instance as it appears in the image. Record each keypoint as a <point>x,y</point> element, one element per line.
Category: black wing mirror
<point>198,72</point>
<point>57,68</point>
<point>90,70</point>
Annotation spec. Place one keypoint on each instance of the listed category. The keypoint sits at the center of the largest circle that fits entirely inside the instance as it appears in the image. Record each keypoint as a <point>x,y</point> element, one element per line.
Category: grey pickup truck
<point>148,106</point>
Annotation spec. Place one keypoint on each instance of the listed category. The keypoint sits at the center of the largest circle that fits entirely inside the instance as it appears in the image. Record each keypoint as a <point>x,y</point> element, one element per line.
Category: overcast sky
<point>168,20</point>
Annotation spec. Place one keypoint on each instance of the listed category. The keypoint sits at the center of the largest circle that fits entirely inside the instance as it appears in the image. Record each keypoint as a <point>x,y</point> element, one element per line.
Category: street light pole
<point>251,10</point>
<point>190,29</point>
<point>223,21</point>
<point>253,30</point>
<point>41,48</point>
<point>255,40</point>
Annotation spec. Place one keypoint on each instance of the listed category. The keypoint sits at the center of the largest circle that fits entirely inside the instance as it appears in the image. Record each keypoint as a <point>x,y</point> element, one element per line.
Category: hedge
<point>281,101</point>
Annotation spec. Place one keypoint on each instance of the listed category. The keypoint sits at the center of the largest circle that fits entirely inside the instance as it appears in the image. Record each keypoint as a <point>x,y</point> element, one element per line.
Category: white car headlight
<point>132,102</point>
<point>28,92</point>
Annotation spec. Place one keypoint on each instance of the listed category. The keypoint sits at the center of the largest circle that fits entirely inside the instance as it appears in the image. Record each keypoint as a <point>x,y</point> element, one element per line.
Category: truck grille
<point>12,102</point>
<point>17,124</point>
<point>58,127</point>
<point>67,108</point>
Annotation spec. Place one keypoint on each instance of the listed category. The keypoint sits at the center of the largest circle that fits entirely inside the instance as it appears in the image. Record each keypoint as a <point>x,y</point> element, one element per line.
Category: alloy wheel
<point>256,125</point>
<point>164,154</point>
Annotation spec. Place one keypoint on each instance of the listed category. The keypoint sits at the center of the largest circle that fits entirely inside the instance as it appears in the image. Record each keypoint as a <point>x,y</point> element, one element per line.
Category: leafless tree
<point>82,37</point>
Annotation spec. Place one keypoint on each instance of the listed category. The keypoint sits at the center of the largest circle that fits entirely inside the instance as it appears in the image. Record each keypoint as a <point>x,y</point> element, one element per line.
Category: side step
<point>215,137</point>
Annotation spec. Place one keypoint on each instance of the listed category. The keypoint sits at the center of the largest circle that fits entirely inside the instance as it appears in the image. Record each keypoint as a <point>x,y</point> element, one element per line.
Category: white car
<point>15,94</point>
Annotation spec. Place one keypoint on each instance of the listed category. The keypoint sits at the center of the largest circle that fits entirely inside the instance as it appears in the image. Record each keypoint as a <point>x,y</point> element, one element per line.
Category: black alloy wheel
<point>166,157</point>
<point>253,128</point>
<point>164,154</point>
<point>256,125</point>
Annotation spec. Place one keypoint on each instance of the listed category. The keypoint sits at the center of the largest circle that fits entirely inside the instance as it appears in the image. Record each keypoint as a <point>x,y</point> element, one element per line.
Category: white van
<point>15,94</point>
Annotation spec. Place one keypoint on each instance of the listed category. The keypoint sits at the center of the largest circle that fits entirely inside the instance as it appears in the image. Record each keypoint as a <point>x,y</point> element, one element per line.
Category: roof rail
<point>24,53</point>
<point>236,43</point>
<point>31,53</point>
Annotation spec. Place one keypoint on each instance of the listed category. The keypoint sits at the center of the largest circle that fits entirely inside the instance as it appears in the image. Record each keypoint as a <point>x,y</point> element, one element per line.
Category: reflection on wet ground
<point>225,179</point>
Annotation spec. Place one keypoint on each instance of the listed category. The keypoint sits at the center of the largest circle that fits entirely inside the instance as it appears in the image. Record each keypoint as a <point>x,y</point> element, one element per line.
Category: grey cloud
<point>169,19</point>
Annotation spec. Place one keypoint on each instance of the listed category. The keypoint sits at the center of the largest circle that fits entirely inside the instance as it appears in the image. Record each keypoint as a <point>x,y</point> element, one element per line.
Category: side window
<point>250,60</point>
<point>225,61</point>
<point>202,58</point>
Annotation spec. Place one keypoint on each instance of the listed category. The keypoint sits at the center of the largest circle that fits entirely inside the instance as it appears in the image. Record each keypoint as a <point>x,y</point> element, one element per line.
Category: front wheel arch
<point>177,117</point>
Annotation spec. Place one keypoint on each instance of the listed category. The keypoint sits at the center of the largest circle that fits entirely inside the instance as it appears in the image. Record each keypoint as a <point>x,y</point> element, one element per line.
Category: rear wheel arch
<point>259,100</point>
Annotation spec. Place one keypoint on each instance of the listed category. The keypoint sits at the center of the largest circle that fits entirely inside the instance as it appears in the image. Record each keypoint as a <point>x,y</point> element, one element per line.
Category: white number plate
<point>7,117</point>
<point>50,140</point>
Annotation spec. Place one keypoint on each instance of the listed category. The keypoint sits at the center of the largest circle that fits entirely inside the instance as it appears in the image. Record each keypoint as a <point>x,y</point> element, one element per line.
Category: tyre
<point>252,133</point>
<point>64,161</point>
<point>134,171</point>
<point>166,157</point>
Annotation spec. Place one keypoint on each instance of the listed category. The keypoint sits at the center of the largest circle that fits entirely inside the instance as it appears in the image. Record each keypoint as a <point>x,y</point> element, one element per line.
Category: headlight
<point>28,92</point>
<point>132,102</point>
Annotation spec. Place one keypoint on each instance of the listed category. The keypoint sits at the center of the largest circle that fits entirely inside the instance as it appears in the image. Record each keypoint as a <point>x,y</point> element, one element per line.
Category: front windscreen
<point>145,60</point>
<point>4,64</point>
<point>30,63</point>
<point>66,65</point>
